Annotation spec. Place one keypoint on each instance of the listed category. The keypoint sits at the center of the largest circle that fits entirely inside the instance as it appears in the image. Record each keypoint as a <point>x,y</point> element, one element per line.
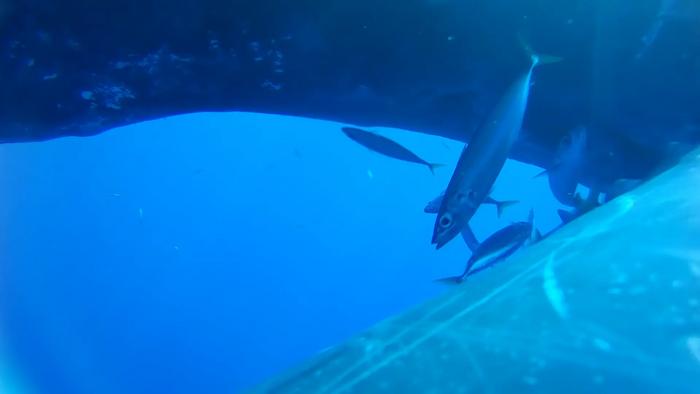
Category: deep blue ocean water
<point>207,252</point>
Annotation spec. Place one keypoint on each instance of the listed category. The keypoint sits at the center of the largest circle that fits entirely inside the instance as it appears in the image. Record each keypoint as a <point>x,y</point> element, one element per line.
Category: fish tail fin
<point>451,280</point>
<point>537,58</point>
<point>501,206</point>
<point>433,166</point>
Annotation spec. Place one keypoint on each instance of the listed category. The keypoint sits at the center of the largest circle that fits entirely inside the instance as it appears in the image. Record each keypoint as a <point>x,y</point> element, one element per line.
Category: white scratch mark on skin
<point>554,293</point>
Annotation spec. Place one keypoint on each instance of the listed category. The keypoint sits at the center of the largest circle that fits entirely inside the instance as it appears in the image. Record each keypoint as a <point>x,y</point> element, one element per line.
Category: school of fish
<point>478,167</point>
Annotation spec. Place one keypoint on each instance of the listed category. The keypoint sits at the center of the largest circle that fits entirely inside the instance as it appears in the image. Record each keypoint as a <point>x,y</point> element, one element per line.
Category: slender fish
<point>483,158</point>
<point>499,246</point>
<point>385,146</point>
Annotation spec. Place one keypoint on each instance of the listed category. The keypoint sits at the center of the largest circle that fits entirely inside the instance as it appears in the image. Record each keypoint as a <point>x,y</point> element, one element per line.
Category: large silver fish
<point>483,158</point>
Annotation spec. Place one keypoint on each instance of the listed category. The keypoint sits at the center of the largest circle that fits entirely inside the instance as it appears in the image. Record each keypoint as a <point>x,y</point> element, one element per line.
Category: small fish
<point>483,158</point>
<point>569,160</point>
<point>386,147</point>
<point>140,213</point>
<point>433,206</point>
<point>496,248</point>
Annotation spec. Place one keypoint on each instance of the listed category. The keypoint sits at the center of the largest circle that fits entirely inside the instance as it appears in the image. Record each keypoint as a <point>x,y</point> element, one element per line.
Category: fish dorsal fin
<point>565,215</point>
<point>537,236</point>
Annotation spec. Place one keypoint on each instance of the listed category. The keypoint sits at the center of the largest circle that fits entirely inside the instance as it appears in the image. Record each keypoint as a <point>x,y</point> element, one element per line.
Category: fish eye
<point>471,195</point>
<point>446,220</point>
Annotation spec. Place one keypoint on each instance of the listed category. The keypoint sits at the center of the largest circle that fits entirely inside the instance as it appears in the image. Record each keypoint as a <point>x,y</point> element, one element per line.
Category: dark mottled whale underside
<point>76,67</point>
<point>577,312</point>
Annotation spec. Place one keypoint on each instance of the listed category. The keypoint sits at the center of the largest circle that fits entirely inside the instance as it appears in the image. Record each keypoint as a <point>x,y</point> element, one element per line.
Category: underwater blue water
<point>207,252</point>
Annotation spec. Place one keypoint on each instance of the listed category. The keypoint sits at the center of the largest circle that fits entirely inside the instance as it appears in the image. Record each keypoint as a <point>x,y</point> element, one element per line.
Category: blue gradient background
<point>207,252</point>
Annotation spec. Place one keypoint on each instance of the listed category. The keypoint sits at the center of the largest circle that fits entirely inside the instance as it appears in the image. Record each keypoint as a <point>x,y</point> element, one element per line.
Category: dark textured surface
<point>78,67</point>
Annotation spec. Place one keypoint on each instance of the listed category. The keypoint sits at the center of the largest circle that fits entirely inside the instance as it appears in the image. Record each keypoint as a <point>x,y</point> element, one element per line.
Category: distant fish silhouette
<point>565,174</point>
<point>386,147</point>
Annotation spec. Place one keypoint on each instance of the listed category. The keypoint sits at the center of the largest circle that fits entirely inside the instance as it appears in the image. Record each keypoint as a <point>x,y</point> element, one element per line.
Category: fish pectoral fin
<point>541,174</point>
<point>451,280</point>
<point>531,216</point>
<point>548,171</point>
<point>501,206</point>
<point>469,238</point>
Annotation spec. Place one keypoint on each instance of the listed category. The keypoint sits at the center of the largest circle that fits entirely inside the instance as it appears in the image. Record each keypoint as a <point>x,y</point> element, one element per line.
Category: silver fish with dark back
<point>496,248</point>
<point>386,147</point>
<point>483,158</point>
